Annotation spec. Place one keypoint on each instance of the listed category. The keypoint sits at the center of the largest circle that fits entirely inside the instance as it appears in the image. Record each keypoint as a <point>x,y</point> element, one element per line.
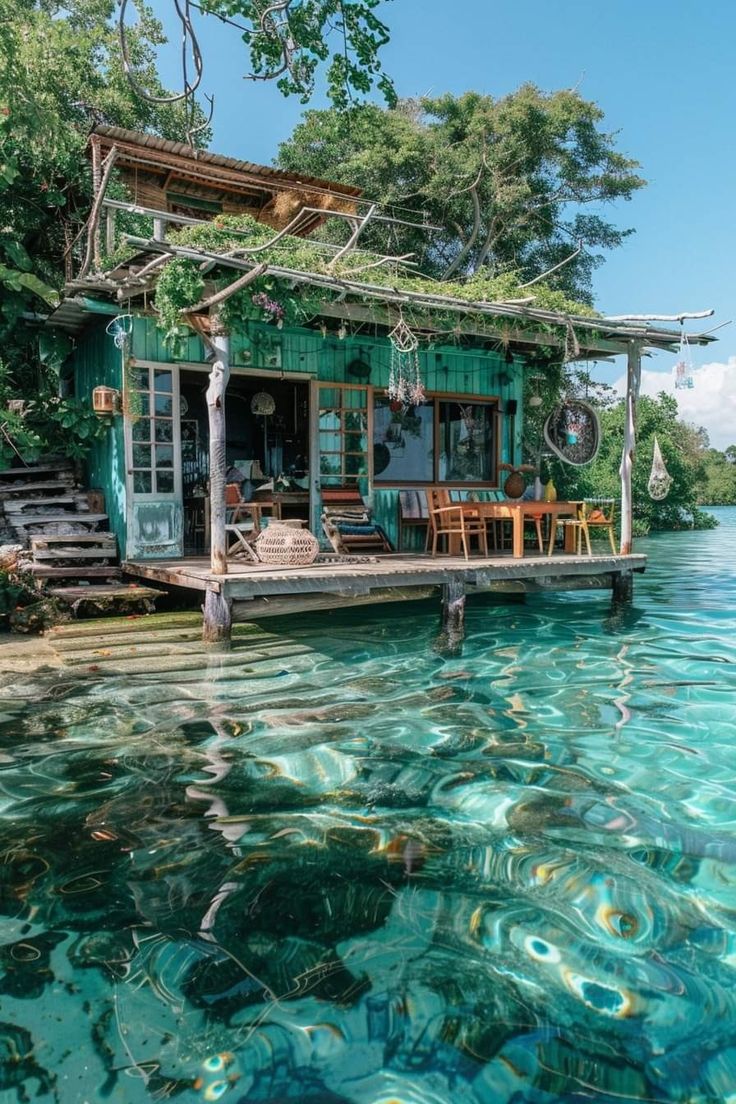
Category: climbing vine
<point>277,299</point>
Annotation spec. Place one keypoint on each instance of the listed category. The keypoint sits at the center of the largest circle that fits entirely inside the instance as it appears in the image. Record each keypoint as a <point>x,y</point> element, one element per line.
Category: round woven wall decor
<point>573,432</point>
<point>281,544</point>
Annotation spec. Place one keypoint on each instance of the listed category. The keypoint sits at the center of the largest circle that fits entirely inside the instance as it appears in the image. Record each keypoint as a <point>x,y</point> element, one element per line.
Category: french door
<point>155,517</point>
<point>340,442</point>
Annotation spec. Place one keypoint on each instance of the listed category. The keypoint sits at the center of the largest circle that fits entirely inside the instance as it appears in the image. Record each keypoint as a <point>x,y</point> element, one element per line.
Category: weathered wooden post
<point>623,582</point>
<point>217,607</point>
<point>633,380</point>
<point>450,640</point>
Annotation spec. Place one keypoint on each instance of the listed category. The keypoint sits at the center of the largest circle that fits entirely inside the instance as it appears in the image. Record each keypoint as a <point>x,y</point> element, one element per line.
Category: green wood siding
<point>262,347</point>
<point>96,361</point>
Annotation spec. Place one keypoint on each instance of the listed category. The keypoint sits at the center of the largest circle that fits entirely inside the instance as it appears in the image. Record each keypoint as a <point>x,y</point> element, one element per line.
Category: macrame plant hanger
<point>405,384</point>
<point>684,366</point>
<point>660,479</point>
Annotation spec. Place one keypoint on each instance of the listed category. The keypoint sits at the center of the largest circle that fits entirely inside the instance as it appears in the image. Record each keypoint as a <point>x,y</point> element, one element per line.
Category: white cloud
<point>711,402</point>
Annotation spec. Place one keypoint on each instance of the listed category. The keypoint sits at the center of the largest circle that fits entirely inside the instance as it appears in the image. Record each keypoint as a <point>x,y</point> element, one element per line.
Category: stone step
<point>110,595</point>
<point>156,621</point>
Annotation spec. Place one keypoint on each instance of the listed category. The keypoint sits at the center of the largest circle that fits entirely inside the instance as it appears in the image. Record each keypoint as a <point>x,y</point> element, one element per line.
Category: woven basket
<point>282,544</point>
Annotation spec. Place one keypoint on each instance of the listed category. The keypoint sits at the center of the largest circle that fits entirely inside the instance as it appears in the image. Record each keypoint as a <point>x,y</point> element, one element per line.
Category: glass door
<point>153,462</point>
<point>340,454</point>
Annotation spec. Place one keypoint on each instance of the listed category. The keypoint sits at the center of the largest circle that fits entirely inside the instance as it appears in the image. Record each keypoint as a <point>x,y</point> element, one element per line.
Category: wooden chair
<point>454,519</point>
<point>348,525</point>
<point>593,513</point>
<point>600,513</point>
<point>413,514</point>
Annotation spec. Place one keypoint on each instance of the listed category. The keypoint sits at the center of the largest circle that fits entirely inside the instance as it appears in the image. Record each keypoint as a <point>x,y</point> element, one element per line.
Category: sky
<point>663,73</point>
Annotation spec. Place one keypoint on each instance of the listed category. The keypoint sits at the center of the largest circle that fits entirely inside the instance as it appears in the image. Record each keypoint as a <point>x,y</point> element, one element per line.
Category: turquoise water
<point>350,869</point>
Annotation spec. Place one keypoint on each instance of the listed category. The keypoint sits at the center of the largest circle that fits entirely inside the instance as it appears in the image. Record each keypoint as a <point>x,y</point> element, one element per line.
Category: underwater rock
<point>18,1065</point>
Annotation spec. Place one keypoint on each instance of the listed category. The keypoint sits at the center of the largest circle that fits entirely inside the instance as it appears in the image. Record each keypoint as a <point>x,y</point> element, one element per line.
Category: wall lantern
<point>105,400</point>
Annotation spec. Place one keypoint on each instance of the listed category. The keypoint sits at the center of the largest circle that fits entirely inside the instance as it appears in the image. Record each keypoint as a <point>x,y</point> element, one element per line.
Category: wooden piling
<point>452,634</point>
<point>218,617</point>
<point>623,588</point>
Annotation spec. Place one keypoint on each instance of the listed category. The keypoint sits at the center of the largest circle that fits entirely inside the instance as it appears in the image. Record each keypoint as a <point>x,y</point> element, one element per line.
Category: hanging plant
<point>179,286</point>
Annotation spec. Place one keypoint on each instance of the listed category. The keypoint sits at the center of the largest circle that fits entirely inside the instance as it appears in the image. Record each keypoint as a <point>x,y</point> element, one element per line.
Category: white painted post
<point>219,377</point>
<point>633,380</point>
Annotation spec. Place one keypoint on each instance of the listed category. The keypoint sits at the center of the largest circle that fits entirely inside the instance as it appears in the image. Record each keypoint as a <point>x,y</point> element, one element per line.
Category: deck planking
<point>399,570</point>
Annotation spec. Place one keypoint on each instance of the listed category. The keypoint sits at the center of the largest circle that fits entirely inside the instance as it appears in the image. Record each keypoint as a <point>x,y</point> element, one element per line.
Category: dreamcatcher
<point>405,383</point>
<point>660,479</point>
<point>684,366</point>
<point>573,432</point>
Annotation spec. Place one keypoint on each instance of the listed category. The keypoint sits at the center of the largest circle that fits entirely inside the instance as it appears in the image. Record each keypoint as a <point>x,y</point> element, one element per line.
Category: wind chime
<point>405,383</point>
<point>119,329</point>
<point>684,366</point>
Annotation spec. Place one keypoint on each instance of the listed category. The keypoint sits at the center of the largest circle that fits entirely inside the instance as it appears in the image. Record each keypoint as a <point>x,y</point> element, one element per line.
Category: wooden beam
<point>305,603</point>
<point>633,382</point>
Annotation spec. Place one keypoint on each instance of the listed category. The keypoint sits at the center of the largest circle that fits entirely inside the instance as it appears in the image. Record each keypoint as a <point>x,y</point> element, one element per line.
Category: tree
<point>60,72</point>
<point>289,40</point>
<point>718,487</point>
<point>511,183</point>
<point>684,448</point>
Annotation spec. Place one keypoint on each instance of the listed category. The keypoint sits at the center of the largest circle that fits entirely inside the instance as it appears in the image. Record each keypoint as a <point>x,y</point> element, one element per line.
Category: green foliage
<point>47,423</point>
<point>60,73</point>
<point>289,43</point>
<point>682,448</point>
<point>719,478</point>
<point>509,181</point>
<point>181,285</point>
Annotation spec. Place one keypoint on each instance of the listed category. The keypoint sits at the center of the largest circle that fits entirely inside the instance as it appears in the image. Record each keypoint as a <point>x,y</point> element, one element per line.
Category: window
<point>343,435</point>
<point>151,401</point>
<point>443,440</point>
<point>467,442</point>
<point>403,442</point>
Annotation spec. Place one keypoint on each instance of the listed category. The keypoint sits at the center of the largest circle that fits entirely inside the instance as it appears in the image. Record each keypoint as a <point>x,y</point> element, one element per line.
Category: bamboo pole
<point>633,380</point>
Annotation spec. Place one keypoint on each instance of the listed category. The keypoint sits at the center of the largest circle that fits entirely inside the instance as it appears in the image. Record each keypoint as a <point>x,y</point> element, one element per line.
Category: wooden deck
<point>256,589</point>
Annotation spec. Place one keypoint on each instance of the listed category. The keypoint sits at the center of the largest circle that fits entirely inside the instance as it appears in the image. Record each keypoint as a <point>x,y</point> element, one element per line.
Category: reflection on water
<point>350,870</point>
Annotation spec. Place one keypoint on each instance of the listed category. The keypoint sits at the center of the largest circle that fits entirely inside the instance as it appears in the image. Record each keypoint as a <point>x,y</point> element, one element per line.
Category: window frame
<point>437,398</point>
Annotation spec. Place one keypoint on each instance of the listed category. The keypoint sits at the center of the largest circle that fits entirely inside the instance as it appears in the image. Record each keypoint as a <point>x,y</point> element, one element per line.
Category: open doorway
<point>267,447</point>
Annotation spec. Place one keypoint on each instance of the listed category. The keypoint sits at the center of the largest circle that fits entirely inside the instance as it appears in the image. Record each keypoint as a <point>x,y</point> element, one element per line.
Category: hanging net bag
<point>660,479</point>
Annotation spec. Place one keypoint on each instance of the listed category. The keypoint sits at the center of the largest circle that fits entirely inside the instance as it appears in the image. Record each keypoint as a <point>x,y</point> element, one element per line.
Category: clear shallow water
<point>352,870</point>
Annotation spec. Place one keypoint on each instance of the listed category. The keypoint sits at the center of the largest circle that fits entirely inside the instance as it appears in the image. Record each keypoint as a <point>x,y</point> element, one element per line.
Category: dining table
<point>519,511</point>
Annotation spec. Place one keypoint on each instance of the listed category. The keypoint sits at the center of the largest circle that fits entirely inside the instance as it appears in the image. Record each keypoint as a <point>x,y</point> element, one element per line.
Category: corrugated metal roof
<point>278,178</point>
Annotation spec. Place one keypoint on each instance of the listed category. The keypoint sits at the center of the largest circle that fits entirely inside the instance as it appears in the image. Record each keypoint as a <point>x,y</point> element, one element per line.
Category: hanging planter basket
<point>573,432</point>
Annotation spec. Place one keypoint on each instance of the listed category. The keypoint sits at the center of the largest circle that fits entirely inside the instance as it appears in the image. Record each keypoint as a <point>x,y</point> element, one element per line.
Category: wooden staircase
<point>73,560</point>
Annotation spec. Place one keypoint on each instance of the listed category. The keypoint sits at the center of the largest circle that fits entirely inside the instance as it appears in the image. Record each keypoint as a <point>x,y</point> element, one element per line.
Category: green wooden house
<point>332,426</point>
<point>298,405</point>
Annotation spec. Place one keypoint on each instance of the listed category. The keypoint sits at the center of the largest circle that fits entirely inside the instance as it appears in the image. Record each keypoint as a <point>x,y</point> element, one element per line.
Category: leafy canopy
<point>290,40</point>
<point>513,183</point>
